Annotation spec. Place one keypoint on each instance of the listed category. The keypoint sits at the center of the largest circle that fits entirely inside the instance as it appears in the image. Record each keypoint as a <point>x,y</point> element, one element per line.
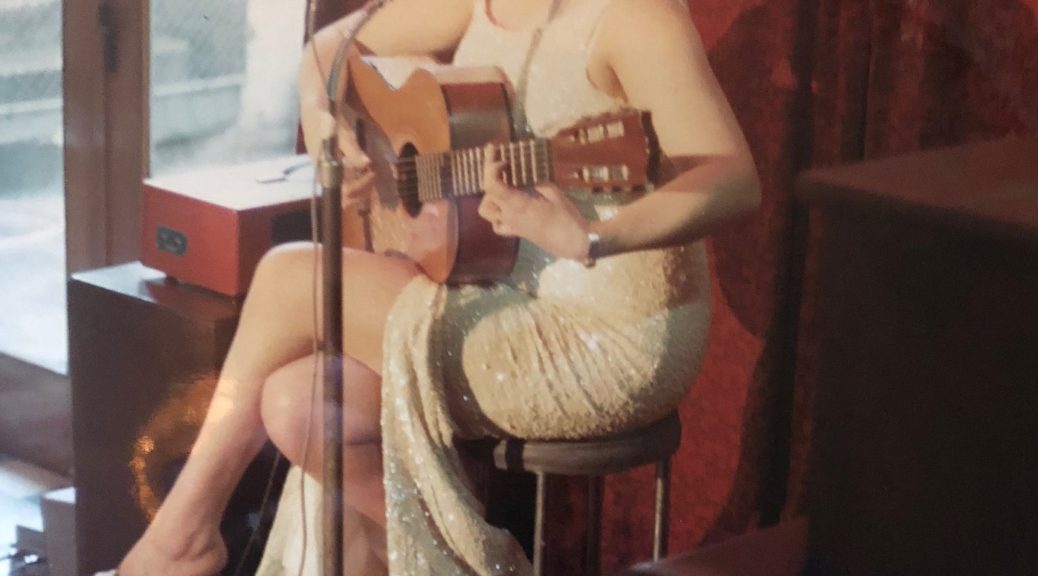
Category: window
<point>221,89</point>
<point>223,81</point>
<point>32,208</point>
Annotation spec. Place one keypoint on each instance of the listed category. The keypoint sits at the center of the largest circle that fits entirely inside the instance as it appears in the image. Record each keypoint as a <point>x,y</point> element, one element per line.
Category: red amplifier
<point>210,227</point>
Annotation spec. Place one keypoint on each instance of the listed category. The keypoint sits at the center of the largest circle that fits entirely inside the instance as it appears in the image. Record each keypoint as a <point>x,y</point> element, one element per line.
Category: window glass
<point>32,211</point>
<point>223,81</point>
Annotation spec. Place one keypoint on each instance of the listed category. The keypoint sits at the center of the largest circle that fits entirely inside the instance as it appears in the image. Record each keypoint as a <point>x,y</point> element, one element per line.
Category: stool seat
<point>592,456</point>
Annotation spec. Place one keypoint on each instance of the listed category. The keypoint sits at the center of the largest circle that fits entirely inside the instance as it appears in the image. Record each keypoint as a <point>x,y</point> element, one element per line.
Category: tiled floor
<point>21,486</point>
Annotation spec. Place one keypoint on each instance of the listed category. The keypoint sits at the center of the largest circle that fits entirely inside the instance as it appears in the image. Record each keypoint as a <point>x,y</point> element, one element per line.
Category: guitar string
<point>539,174</point>
<point>539,171</point>
<point>541,146</point>
<point>409,167</point>
<point>413,192</point>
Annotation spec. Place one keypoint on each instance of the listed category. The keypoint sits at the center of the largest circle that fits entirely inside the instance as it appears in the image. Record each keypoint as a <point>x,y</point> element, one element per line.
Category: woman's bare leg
<point>360,558</point>
<point>292,416</point>
<point>276,327</point>
<point>291,412</point>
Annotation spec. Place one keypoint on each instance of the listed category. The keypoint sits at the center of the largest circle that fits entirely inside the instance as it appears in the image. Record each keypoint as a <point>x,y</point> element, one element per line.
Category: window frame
<point>105,47</point>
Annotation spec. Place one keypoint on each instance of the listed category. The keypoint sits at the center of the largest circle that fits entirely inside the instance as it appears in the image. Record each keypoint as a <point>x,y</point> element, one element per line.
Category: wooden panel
<point>106,131</point>
<point>141,348</point>
<point>85,135</point>
<point>127,121</point>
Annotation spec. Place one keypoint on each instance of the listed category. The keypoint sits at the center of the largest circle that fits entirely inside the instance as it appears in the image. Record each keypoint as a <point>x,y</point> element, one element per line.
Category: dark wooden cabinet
<point>925,440</point>
<point>143,356</point>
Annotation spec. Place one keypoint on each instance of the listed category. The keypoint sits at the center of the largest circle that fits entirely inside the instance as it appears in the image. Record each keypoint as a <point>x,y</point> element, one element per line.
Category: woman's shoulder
<point>646,10</point>
<point>417,26</point>
<point>646,22</point>
<point>645,31</point>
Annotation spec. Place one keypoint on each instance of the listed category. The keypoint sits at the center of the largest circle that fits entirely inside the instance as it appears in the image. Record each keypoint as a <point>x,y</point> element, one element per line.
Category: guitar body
<point>434,109</point>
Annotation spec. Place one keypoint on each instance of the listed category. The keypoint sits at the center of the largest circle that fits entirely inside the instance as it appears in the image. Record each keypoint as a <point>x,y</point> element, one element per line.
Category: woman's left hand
<point>543,216</point>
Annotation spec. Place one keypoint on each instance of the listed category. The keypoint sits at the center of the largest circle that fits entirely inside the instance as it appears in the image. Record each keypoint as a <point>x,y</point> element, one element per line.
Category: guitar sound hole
<point>407,180</point>
<point>411,204</point>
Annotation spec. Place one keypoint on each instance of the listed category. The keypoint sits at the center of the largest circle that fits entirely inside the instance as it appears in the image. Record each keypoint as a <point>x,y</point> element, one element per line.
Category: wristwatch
<point>594,244</point>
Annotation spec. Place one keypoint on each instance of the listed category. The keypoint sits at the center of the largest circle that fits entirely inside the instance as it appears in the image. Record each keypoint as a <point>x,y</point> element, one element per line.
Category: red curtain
<point>813,82</point>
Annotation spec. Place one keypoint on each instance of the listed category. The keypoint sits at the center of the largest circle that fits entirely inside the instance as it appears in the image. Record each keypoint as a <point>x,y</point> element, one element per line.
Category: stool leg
<point>662,524</point>
<point>592,558</point>
<point>538,526</point>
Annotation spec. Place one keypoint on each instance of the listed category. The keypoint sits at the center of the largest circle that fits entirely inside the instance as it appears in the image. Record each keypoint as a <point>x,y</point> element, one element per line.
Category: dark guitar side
<point>433,112</point>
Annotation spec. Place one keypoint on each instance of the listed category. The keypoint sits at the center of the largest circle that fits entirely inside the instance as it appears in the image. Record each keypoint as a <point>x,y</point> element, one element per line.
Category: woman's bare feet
<point>175,553</point>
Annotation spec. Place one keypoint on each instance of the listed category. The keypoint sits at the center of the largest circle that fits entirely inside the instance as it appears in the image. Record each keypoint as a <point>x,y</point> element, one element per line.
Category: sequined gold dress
<point>556,351</point>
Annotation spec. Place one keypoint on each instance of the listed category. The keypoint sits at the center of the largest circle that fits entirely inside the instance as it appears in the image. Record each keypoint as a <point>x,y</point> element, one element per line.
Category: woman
<point>557,350</point>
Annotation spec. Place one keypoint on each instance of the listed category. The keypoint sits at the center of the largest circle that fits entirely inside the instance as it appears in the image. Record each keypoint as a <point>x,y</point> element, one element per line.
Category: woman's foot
<point>175,554</point>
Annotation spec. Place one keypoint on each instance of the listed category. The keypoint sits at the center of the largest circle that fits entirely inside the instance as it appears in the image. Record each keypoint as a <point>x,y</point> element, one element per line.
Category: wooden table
<point>925,439</point>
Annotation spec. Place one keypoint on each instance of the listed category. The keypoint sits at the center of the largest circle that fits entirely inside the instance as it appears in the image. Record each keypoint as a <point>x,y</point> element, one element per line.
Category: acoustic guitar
<point>425,125</point>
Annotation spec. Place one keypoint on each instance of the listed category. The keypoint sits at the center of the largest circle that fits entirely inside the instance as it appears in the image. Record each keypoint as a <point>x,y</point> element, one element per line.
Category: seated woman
<point>557,350</point>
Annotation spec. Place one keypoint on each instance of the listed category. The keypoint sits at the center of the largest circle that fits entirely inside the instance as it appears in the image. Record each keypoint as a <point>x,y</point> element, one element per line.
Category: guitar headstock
<point>614,152</point>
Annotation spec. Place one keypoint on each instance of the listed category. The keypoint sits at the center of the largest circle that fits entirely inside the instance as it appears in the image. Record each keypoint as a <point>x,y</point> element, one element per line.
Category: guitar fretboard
<point>460,172</point>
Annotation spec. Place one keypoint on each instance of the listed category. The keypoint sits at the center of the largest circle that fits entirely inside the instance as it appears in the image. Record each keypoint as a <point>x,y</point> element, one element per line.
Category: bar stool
<point>595,458</point>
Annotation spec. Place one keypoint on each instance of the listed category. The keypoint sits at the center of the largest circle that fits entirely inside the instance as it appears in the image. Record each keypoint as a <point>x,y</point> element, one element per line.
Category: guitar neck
<point>459,173</point>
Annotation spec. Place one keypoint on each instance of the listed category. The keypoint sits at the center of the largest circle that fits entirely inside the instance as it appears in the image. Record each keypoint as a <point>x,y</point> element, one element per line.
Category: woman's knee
<point>284,408</point>
<point>290,408</point>
<point>292,260</point>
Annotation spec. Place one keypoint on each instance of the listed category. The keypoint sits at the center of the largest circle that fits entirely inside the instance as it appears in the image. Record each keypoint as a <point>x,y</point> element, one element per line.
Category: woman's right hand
<point>358,177</point>
<point>358,174</point>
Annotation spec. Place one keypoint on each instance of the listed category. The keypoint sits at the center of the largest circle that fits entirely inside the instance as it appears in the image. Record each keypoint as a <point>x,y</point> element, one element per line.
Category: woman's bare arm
<point>660,64</point>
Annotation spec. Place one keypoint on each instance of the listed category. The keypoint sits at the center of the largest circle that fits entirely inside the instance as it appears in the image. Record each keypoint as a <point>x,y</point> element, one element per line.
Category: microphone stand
<point>330,175</point>
<point>332,507</point>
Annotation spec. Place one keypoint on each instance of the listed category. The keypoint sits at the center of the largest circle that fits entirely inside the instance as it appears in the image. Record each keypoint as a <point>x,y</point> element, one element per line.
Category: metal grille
<point>222,80</point>
<point>30,95</point>
<point>196,39</point>
<point>30,50</point>
<point>32,217</point>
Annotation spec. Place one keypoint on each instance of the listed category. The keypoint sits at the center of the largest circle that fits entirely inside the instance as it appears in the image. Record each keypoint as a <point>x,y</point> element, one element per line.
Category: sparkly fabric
<point>556,351</point>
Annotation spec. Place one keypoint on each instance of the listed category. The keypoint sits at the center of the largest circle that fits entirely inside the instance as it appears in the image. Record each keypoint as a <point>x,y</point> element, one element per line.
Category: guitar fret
<point>533,163</point>
<point>509,148</point>
<point>419,166</point>
<point>463,173</point>
<point>434,168</point>
<point>444,168</point>
<point>438,171</point>
<point>501,154</point>
<point>463,163</point>
<point>477,173</point>
<point>427,177</point>
<point>494,156</point>
<point>549,170</point>
<point>477,166</point>
<point>468,170</point>
<point>430,188</point>
<point>424,179</point>
<point>525,163</point>
<point>481,162</point>
<point>479,159</point>
<point>454,172</point>
<point>536,166</point>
